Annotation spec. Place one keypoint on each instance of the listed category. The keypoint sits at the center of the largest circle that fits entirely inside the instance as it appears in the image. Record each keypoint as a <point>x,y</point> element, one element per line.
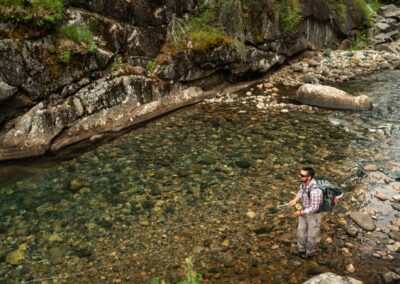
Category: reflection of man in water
<point>309,216</point>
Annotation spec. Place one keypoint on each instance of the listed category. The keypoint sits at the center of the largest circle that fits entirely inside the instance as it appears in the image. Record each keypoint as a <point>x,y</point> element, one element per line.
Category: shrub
<point>374,4</point>
<point>360,42</point>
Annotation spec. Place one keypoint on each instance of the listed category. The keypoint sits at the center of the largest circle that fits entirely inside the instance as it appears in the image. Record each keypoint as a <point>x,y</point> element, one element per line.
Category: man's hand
<point>292,202</point>
<point>296,214</point>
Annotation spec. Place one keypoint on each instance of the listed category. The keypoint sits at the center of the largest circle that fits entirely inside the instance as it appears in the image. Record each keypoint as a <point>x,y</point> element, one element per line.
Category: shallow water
<point>126,201</point>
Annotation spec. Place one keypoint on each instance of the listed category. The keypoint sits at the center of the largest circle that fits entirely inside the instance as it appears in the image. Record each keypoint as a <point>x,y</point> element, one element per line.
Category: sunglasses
<point>303,176</point>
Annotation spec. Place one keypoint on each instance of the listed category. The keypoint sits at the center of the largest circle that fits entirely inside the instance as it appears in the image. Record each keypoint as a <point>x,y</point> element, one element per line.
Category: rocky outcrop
<point>329,97</point>
<point>385,33</point>
<point>138,12</point>
<point>270,45</point>
<point>121,99</point>
<point>223,58</point>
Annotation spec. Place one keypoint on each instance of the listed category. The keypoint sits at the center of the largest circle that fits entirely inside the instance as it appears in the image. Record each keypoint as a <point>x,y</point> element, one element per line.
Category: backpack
<point>330,195</point>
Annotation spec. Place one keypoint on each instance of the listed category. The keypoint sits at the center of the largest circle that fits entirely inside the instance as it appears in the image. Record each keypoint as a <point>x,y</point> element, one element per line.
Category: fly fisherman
<point>309,216</point>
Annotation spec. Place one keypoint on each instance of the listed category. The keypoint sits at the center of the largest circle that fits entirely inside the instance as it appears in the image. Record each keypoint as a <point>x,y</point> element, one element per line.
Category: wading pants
<point>307,232</point>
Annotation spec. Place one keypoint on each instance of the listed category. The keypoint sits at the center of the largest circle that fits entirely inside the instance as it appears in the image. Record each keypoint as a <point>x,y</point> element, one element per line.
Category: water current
<point>202,182</point>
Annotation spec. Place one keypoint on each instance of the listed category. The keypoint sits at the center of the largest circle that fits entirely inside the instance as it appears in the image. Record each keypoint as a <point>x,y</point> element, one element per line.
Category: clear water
<point>137,205</point>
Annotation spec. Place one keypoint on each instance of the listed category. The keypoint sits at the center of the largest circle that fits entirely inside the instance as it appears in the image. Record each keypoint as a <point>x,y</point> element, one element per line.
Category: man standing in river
<point>309,216</point>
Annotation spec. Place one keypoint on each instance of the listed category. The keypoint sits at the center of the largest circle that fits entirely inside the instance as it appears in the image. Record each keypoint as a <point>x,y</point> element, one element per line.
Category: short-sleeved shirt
<point>312,204</point>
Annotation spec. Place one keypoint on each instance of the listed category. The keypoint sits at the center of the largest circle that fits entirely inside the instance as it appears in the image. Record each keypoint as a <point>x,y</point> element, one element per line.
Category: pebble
<point>370,211</point>
<point>350,268</point>
<point>381,197</point>
<point>396,198</point>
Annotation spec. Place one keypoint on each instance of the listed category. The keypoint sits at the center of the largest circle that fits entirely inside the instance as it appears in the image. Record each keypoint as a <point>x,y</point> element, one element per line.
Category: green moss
<point>65,56</point>
<point>151,65</point>
<point>204,40</point>
<point>363,5</point>
<point>289,12</point>
<point>41,12</point>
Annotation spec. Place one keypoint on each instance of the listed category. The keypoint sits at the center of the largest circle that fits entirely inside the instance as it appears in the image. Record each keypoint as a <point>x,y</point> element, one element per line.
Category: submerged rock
<point>329,97</point>
<point>16,257</point>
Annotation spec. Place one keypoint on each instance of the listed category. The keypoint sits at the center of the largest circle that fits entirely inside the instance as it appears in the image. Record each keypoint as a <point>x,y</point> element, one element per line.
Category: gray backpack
<point>330,195</point>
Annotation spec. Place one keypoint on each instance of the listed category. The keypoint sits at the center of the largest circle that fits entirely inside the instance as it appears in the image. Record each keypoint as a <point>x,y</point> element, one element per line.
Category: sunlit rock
<point>330,277</point>
<point>329,97</point>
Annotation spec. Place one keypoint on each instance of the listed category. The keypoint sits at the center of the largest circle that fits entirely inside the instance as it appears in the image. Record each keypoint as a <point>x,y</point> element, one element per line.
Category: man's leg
<point>314,223</point>
<point>302,234</point>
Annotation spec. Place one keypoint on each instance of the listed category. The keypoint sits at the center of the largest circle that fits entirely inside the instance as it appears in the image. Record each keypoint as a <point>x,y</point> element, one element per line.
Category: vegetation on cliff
<point>220,22</point>
<point>39,12</point>
<point>75,39</point>
<point>289,12</point>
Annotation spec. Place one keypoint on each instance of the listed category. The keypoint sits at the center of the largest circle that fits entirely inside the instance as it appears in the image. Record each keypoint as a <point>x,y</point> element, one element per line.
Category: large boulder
<point>331,278</point>
<point>329,97</point>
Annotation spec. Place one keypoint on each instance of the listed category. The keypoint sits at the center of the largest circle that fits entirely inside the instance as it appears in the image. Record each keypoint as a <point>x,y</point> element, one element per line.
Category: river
<point>203,182</point>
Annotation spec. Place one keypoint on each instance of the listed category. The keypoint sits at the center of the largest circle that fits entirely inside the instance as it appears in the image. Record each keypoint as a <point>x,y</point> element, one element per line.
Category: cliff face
<point>55,91</point>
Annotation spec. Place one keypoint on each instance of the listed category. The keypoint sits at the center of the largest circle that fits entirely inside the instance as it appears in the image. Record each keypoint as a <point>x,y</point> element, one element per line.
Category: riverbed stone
<point>381,197</point>
<point>350,268</point>
<point>56,255</point>
<point>352,230</point>
<point>395,235</point>
<point>330,277</point>
<point>396,206</point>
<point>363,220</point>
<point>396,198</point>
<point>391,277</point>
<point>370,168</point>
<point>370,211</point>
